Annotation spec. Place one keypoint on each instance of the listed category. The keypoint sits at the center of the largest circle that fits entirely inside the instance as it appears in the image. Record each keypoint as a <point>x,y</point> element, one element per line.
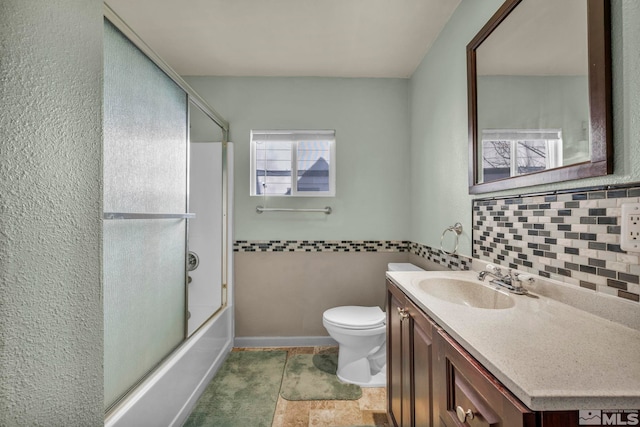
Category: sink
<point>466,292</point>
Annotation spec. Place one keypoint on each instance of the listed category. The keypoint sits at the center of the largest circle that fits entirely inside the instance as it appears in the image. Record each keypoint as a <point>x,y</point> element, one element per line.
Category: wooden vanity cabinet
<point>466,387</point>
<point>429,375</point>
<point>410,351</point>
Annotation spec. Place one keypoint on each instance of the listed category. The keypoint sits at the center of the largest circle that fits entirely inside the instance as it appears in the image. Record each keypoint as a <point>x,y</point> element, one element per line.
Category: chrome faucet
<point>509,280</point>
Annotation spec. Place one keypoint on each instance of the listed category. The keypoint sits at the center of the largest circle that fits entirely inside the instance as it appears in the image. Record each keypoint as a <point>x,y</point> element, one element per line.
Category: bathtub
<point>167,397</point>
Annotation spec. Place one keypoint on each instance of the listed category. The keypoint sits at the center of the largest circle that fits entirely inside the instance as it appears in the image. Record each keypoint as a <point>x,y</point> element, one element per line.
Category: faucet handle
<point>521,277</point>
<point>493,268</point>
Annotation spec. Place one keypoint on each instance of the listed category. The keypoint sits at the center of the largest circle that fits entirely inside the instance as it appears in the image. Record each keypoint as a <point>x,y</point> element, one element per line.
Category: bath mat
<point>313,377</point>
<point>243,393</point>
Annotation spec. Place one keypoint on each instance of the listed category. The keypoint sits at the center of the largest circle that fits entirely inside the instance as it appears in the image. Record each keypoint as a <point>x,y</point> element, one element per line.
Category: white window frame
<point>295,137</point>
<point>551,137</point>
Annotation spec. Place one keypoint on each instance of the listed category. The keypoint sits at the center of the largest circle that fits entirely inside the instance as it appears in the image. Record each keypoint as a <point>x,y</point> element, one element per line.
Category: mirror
<point>539,87</point>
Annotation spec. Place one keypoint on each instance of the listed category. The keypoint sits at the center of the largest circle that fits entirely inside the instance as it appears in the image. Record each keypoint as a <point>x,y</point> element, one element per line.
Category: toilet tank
<point>402,266</point>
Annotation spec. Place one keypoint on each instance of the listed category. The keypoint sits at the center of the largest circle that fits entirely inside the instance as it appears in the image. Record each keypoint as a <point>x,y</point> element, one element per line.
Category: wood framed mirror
<point>539,93</point>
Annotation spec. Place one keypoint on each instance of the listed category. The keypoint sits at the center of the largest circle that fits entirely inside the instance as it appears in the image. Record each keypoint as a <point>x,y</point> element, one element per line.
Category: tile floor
<point>369,410</point>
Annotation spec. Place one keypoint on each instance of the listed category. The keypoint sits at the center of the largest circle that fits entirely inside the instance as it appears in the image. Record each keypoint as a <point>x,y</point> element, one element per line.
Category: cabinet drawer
<point>466,387</point>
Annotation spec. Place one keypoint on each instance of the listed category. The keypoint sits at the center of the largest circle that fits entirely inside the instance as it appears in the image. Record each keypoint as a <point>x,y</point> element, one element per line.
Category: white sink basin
<point>465,292</point>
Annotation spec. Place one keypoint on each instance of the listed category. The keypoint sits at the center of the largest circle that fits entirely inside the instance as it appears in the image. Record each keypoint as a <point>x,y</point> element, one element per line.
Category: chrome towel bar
<point>259,209</point>
<point>133,215</point>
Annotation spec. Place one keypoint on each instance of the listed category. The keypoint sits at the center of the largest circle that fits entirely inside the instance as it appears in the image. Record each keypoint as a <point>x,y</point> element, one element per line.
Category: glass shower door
<point>145,174</point>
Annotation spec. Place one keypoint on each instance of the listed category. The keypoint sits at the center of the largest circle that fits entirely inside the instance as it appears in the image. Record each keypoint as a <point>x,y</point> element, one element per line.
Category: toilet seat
<point>355,317</point>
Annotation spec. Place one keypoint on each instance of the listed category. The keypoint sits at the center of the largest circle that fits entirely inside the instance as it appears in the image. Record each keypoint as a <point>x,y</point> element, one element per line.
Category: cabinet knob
<point>402,312</point>
<point>462,415</point>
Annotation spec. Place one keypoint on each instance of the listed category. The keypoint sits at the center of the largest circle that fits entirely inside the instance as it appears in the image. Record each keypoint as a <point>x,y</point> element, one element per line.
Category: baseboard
<point>283,341</point>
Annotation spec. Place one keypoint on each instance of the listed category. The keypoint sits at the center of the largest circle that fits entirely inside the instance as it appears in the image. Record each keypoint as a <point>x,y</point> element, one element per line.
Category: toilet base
<point>369,371</point>
<point>377,380</point>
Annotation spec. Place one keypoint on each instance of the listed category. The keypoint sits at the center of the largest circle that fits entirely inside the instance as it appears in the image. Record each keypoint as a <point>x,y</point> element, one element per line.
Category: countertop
<point>552,356</point>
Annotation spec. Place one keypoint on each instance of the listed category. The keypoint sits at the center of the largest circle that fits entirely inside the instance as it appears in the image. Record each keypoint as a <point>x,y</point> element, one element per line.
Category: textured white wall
<point>50,207</point>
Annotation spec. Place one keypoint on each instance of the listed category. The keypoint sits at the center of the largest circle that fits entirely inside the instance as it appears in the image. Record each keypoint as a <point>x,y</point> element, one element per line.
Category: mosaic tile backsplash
<point>570,237</point>
<point>321,246</point>
<point>453,262</point>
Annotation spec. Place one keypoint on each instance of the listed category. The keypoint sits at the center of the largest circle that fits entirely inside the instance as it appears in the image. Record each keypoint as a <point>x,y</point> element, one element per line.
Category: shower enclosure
<point>148,112</point>
<point>206,291</point>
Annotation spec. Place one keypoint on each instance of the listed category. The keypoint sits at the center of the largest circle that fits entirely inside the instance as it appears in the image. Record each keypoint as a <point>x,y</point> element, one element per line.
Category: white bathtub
<point>167,397</point>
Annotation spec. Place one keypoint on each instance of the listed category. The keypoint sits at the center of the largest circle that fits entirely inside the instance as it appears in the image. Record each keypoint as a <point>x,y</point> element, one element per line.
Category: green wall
<point>439,142</point>
<point>371,119</point>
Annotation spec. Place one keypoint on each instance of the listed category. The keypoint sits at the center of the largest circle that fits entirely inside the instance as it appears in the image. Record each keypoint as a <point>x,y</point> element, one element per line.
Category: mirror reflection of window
<point>512,152</point>
<point>532,74</point>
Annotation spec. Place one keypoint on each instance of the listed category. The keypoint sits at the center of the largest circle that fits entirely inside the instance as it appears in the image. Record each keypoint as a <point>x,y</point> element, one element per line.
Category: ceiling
<point>322,38</point>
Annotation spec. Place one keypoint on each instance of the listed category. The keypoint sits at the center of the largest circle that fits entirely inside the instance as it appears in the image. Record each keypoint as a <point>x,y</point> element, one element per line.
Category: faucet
<point>511,281</point>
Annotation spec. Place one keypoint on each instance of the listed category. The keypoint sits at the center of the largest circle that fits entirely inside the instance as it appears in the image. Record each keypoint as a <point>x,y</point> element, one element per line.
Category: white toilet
<point>361,334</point>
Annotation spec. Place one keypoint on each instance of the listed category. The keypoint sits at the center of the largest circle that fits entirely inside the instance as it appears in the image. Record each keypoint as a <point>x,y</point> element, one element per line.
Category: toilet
<point>361,334</point>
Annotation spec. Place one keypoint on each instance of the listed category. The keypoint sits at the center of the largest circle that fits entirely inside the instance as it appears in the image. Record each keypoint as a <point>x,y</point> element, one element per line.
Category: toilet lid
<point>355,317</point>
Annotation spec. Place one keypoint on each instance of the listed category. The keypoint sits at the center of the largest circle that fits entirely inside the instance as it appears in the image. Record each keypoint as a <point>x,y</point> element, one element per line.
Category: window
<point>513,152</point>
<point>293,163</point>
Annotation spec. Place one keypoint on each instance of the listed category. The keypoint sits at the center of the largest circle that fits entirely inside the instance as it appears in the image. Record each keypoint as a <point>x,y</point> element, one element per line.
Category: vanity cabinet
<point>433,381</point>
<point>466,391</point>
<point>410,354</point>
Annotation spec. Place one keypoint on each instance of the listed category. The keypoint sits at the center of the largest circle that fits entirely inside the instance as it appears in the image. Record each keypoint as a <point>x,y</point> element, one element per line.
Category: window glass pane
<point>293,163</point>
<point>314,158</point>
<point>496,160</point>
<point>273,167</point>
<point>531,156</point>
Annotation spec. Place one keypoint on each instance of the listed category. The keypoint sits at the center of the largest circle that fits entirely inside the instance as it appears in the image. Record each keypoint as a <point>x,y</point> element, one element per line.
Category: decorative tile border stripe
<point>320,246</point>
<point>570,237</point>
<point>452,262</point>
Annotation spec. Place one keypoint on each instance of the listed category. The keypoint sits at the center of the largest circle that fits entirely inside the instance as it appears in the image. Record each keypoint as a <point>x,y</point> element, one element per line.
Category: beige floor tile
<point>291,414</point>
<point>335,417</point>
<point>374,418</point>
<point>373,399</point>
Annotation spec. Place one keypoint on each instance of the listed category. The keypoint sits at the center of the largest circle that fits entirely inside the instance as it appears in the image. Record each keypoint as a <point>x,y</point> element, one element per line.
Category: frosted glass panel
<point>144,298</point>
<point>145,132</point>
<point>145,146</point>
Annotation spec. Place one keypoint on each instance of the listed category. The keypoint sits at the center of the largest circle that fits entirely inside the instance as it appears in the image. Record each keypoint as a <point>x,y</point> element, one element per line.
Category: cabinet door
<point>409,350</point>
<point>407,365</point>
<point>421,366</point>
<point>399,359</point>
<point>395,302</point>
<point>464,386</point>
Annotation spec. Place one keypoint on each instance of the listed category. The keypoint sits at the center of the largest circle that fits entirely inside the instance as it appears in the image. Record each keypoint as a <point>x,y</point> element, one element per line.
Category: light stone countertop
<point>552,356</point>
